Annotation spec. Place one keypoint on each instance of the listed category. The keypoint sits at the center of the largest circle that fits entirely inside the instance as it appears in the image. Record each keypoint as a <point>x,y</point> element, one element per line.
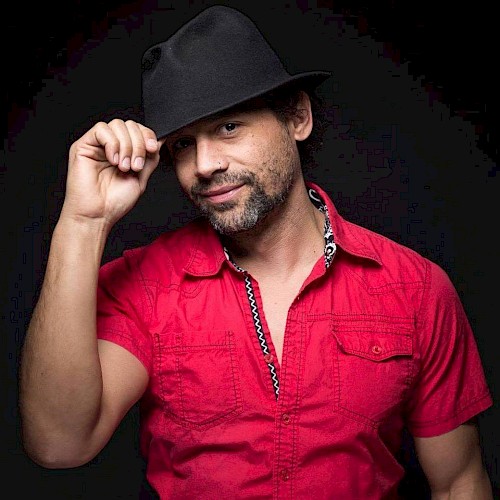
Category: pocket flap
<point>375,346</point>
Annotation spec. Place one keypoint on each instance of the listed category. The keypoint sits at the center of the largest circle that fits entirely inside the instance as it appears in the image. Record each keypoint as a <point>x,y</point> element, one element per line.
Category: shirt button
<point>285,475</point>
<point>286,418</point>
<point>376,349</point>
<point>268,358</point>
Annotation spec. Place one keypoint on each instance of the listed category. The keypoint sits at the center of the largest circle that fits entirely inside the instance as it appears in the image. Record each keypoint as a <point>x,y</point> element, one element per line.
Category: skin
<point>453,465</point>
<point>235,200</point>
<point>75,389</point>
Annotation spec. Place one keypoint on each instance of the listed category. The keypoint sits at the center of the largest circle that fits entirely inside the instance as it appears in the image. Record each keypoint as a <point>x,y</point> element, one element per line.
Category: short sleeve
<point>123,308</point>
<point>450,385</point>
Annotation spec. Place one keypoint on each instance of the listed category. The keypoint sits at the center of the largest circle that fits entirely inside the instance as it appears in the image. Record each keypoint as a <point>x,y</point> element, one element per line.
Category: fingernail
<point>152,143</point>
<point>126,162</point>
<point>139,162</point>
<point>115,158</point>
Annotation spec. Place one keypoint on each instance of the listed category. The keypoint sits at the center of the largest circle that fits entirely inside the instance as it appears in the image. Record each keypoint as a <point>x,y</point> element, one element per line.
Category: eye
<point>228,128</point>
<point>182,143</point>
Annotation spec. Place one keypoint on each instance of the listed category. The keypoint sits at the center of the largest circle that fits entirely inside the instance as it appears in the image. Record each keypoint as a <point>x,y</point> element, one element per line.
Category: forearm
<point>476,488</point>
<point>60,380</point>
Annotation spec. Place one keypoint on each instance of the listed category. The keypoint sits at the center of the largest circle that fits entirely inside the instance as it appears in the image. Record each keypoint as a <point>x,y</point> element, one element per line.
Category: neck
<point>289,238</point>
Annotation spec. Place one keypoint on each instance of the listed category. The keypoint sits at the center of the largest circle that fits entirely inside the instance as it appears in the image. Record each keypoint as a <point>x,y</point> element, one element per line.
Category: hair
<point>284,103</point>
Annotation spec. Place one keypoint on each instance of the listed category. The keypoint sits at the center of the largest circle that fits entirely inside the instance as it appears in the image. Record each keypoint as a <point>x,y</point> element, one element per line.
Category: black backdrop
<point>412,153</point>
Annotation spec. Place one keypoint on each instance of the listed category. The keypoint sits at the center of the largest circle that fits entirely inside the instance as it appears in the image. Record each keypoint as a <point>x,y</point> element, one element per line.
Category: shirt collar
<point>207,253</point>
<point>350,237</point>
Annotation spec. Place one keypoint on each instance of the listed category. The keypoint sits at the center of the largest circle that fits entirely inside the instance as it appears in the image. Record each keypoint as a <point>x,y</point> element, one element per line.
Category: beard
<point>227,218</point>
<point>278,171</point>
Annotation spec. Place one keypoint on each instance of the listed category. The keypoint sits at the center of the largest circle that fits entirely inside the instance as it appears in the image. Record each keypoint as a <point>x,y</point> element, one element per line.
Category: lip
<point>222,193</point>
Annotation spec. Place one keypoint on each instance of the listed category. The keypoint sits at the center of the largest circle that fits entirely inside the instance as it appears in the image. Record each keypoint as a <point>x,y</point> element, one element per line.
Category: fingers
<point>135,142</point>
<point>127,144</point>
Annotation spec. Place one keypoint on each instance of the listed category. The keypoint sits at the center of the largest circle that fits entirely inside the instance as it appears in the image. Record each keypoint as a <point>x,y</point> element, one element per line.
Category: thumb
<point>150,165</point>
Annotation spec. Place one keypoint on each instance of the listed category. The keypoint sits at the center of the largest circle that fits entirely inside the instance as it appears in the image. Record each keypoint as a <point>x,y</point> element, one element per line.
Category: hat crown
<point>216,60</point>
<point>224,31</point>
<point>220,42</point>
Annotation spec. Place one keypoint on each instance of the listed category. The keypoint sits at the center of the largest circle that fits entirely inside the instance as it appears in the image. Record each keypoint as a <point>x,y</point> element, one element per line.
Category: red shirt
<point>375,342</point>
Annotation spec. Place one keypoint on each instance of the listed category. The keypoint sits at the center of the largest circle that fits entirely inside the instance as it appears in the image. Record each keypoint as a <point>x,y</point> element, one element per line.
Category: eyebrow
<point>222,115</point>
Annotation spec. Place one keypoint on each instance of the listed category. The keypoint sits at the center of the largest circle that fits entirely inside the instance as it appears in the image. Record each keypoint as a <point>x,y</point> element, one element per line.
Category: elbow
<point>51,461</point>
<point>56,456</point>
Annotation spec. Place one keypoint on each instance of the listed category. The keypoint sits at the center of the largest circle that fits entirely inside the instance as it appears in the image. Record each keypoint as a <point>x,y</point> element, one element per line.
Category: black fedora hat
<point>215,61</point>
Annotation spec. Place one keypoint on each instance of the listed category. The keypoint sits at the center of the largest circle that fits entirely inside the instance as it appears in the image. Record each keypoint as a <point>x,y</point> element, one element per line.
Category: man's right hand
<point>109,167</point>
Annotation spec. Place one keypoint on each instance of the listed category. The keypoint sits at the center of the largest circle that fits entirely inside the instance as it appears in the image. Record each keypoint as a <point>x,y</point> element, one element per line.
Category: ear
<point>302,122</point>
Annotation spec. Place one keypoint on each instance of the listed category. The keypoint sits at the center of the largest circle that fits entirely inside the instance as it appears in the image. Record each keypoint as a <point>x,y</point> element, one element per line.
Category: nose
<point>209,158</point>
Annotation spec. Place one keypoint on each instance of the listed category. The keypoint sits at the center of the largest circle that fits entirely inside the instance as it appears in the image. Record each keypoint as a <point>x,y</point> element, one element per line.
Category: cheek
<point>182,174</point>
<point>260,151</point>
<point>245,153</point>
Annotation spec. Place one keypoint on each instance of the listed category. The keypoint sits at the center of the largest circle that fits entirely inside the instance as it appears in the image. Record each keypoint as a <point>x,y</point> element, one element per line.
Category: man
<point>276,350</point>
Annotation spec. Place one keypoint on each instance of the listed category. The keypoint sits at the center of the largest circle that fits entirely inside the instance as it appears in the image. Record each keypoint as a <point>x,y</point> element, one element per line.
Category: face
<point>237,167</point>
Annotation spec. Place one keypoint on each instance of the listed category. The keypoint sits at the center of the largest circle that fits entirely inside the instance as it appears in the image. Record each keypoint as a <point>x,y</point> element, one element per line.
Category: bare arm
<point>74,389</point>
<point>453,465</point>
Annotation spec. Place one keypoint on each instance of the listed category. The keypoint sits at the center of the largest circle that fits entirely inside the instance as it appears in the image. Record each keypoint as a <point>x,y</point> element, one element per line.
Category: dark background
<point>412,153</point>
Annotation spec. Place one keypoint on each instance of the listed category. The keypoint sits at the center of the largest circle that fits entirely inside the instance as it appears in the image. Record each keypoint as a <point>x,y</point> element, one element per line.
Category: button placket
<point>284,474</point>
<point>268,358</point>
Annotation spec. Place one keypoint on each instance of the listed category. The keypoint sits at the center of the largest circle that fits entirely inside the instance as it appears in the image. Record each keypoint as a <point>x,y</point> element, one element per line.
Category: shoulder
<point>170,250</point>
<point>390,259</point>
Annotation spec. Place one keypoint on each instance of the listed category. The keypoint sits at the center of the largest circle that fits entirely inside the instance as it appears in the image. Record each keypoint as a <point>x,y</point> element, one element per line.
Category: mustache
<point>221,179</point>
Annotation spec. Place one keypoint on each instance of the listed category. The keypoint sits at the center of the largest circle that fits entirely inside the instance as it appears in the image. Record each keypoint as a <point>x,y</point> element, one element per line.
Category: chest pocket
<point>197,378</point>
<point>372,368</point>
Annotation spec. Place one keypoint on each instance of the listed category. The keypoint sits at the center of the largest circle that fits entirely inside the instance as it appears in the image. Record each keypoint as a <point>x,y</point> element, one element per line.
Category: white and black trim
<point>329,252</point>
